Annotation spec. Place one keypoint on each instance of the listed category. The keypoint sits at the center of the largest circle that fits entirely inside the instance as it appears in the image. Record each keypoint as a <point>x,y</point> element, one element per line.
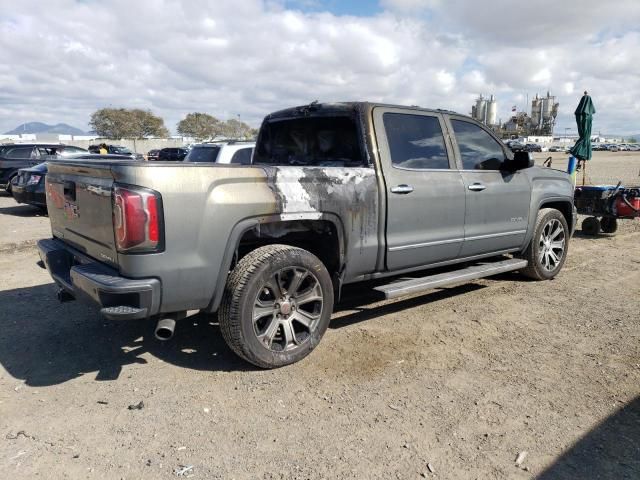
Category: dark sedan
<point>28,185</point>
<point>24,155</point>
<point>172,154</point>
<point>152,155</point>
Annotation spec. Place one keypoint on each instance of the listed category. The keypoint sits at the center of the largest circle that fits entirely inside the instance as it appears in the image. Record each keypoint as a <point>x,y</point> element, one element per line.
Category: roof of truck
<point>345,107</point>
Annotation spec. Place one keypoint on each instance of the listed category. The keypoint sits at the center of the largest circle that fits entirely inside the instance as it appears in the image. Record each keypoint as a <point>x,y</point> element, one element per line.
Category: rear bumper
<point>119,298</point>
<point>24,195</point>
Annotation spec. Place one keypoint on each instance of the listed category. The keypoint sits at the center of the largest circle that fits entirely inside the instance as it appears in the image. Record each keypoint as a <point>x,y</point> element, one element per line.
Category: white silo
<point>481,109</point>
<point>492,111</point>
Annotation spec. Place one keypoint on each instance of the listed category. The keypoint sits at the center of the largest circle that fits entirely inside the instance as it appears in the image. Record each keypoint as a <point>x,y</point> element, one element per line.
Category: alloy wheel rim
<point>287,309</point>
<point>551,245</point>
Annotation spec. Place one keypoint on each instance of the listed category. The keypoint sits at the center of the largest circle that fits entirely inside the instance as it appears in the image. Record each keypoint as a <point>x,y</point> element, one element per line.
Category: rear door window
<point>19,153</point>
<point>415,141</point>
<point>478,149</point>
<point>203,154</point>
<point>242,156</point>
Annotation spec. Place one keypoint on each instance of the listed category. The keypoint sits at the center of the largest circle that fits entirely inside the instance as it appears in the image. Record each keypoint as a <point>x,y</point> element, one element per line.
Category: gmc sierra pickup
<point>336,194</point>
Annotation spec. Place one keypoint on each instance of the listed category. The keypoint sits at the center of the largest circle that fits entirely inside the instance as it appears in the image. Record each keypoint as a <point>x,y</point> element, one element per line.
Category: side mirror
<point>521,160</point>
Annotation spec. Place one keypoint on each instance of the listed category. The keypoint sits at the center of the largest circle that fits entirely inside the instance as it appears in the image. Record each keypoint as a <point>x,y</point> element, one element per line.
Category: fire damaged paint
<point>346,194</point>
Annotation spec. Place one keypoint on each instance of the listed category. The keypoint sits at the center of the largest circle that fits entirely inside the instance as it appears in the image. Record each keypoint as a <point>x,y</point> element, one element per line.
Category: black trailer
<point>605,204</point>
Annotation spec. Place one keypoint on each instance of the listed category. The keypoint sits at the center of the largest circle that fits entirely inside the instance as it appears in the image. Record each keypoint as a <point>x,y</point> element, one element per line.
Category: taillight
<point>34,179</point>
<point>137,219</point>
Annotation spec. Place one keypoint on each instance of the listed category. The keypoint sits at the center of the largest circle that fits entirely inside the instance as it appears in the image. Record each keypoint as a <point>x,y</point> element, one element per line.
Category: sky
<point>60,60</point>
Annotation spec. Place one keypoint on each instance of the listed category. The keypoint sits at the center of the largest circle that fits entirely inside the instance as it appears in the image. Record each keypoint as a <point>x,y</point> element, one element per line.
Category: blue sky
<point>337,7</point>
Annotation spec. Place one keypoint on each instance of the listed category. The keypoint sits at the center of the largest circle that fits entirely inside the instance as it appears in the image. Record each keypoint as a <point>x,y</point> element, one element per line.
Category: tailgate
<point>80,208</point>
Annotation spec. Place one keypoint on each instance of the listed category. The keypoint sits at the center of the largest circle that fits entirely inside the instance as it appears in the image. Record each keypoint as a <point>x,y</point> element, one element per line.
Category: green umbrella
<point>584,117</point>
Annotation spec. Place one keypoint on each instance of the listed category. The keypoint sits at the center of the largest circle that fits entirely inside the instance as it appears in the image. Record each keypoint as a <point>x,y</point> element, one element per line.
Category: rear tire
<point>548,248</point>
<point>591,226</point>
<point>276,305</point>
<point>609,224</point>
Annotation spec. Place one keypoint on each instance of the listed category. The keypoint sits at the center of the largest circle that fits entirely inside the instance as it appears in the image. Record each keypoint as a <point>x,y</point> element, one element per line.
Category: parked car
<point>172,154</point>
<point>28,186</point>
<point>533,147</point>
<point>613,148</point>
<point>152,155</point>
<point>221,152</point>
<point>336,194</point>
<point>556,148</point>
<point>15,156</point>
<point>516,146</point>
<point>117,150</point>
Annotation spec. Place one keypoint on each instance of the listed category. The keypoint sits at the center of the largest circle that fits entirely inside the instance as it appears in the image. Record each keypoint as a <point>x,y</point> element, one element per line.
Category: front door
<point>425,192</point>
<point>498,200</point>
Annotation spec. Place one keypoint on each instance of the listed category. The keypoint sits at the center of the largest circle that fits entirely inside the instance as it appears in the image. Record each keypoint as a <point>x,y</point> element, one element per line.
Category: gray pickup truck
<point>336,194</point>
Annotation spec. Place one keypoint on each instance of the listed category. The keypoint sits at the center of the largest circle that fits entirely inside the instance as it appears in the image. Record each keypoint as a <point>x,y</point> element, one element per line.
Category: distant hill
<point>39,127</point>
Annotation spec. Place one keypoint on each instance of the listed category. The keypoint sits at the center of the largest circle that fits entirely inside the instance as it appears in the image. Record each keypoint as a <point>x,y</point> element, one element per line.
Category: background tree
<point>236,129</point>
<point>146,124</point>
<point>117,123</point>
<point>633,140</point>
<point>200,126</point>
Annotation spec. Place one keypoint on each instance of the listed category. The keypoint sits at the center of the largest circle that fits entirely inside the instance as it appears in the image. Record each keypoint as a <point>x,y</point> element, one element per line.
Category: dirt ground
<point>451,384</point>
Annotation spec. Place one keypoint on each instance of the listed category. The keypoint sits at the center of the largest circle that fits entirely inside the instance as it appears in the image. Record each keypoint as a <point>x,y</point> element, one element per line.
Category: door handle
<point>402,189</point>
<point>477,187</point>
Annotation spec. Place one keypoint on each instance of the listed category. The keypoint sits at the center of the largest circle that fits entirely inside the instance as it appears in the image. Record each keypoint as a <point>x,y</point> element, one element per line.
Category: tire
<point>261,320</point>
<point>549,246</point>
<point>591,226</point>
<point>609,224</point>
<point>8,187</point>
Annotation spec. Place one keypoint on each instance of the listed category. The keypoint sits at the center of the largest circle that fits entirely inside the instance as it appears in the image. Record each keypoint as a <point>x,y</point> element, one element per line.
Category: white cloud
<point>62,59</point>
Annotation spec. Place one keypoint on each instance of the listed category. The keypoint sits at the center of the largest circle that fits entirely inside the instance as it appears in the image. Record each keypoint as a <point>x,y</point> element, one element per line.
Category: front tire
<point>276,306</point>
<point>548,249</point>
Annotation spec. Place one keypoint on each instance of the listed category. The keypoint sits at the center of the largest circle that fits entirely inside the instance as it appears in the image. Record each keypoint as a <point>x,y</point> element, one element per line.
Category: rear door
<point>497,200</point>
<point>425,192</point>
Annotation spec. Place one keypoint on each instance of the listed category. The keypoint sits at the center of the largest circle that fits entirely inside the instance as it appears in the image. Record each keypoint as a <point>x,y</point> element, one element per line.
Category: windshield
<point>310,141</point>
<point>121,151</point>
<point>202,154</point>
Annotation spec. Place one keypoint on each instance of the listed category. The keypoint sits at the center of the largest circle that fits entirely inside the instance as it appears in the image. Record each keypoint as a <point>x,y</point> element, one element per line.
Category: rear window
<point>203,154</point>
<point>310,141</point>
<point>242,156</point>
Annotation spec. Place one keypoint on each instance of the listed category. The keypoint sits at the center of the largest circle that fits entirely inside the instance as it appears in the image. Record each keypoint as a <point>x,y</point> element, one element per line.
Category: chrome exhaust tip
<point>165,328</point>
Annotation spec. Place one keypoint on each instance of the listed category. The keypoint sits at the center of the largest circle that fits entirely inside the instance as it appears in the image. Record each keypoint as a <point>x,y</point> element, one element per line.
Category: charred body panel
<point>272,201</point>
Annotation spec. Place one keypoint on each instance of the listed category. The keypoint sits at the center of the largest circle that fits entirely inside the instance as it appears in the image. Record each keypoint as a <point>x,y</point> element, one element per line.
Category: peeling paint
<point>295,198</point>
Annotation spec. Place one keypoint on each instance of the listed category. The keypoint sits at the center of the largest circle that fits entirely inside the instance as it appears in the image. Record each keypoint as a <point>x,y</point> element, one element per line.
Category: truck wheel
<point>591,226</point>
<point>276,305</point>
<point>609,224</point>
<point>548,248</point>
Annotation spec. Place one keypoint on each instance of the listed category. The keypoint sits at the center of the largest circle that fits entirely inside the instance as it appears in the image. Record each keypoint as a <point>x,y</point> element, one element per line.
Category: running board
<point>406,287</point>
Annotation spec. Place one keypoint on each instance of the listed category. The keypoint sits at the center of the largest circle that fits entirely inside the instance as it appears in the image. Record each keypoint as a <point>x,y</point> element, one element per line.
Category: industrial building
<point>539,122</point>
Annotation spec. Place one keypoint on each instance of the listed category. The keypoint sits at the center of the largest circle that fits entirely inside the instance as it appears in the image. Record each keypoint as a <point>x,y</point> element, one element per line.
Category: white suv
<point>221,152</point>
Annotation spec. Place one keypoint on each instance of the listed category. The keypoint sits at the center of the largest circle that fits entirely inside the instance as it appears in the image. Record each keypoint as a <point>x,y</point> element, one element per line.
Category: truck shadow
<point>610,450</point>
<point>21,210</point>
<point>357,299</point>
<point>44,342</point>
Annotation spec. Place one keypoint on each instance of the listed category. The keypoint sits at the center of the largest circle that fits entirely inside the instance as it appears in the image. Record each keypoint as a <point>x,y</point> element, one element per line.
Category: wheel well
<point>319,237</point>
<point>563,207</point>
